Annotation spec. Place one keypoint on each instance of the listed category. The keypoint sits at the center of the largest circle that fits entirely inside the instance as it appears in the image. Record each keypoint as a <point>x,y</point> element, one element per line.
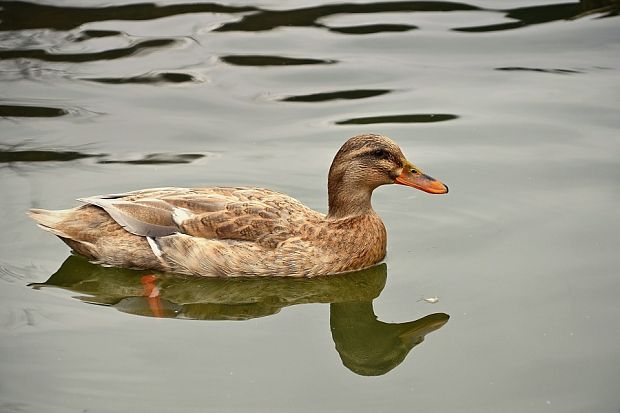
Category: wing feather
<point>241,214</point>
<point>145,220</point>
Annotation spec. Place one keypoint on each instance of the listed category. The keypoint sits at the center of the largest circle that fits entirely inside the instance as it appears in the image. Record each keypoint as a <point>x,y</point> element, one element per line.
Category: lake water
<point>513,104</point>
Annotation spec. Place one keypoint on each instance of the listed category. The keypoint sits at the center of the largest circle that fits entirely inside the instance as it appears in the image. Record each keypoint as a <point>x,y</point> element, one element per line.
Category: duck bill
<point>411,176</point>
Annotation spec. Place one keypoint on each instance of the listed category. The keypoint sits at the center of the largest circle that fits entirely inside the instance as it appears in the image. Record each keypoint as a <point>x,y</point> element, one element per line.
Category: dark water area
<point>499,296</point>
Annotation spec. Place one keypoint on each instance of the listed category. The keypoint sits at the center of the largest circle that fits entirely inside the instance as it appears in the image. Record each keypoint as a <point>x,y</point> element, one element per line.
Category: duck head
<point>365,162</point>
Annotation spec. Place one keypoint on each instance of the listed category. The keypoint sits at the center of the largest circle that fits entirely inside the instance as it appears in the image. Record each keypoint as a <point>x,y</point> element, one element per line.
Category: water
<point>514,104</point>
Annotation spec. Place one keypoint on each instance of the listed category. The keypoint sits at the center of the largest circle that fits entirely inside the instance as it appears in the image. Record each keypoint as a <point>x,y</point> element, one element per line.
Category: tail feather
<point>50,220</point>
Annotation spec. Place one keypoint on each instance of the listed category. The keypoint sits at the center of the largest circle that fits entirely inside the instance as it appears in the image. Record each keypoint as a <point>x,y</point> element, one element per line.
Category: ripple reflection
<point>263,60</point>
<point>373,28</point>
<point>44,55</point>
<point>17,153</point>
<point>537,69</point>
<point>9,156</point>
<point>262,20</point>
<point>147,79</point>
<point>22,15</point>
<point>412,118</point>
<point>20,111</point>
<point>337,95</point>
<point>96,34</point>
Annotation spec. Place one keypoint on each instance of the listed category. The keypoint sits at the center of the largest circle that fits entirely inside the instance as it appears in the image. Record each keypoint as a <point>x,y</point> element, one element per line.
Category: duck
<point>244,231</point>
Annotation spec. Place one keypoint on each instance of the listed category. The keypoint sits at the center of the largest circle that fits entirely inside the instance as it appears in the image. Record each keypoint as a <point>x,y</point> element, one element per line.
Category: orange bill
<point>412,176</point>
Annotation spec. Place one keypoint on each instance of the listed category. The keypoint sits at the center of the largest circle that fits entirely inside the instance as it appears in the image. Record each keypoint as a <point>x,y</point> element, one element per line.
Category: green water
<point>513,104</point>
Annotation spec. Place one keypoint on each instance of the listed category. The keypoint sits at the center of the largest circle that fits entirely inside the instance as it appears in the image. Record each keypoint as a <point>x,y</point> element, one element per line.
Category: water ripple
<point>262,20</point>
<point>263,60</point>
<point>536,69</point>
<point>44,55</point>
<point>527,16</point>
<point>373,28</point>
<point>157,159</point>
<point>147,79</point>
<point>412,118</point>
<point>20,15</point>
<point>337,95</point>
<point>20,111</point>
<point>96,34</point>
<point>11,154</point>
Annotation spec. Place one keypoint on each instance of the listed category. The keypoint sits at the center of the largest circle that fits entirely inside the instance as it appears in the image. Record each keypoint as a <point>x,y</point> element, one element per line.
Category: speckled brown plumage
<point>239,231</point>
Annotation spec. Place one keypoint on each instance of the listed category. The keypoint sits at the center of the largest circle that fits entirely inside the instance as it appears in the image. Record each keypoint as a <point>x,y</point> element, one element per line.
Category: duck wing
<point>146,217</point>
<point>244,214</point>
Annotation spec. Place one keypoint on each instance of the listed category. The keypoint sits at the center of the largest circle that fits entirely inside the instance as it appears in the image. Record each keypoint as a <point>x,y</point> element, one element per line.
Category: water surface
<point>514,104</point>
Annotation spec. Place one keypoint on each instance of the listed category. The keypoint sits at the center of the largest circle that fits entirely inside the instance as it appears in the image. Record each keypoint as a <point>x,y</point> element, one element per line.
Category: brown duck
<point>228,232</point>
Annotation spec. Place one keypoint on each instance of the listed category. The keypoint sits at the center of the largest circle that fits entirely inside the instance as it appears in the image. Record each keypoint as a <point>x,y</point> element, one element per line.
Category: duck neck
<point>347,199</point>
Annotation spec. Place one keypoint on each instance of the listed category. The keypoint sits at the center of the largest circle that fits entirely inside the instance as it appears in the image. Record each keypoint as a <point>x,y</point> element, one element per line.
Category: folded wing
<point>258,215</point>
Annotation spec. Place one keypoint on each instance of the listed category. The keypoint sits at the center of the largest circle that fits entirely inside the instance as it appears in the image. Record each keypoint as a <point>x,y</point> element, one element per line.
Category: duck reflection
<point>370,347</point>
<point>366,345</point>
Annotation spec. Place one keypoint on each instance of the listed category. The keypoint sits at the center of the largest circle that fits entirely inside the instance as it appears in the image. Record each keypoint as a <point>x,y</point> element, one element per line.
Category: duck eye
<point>380,153</point>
